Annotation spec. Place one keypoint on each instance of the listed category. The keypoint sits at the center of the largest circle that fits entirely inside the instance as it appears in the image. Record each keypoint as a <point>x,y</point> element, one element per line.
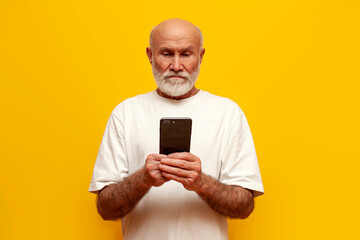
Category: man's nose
<point>176,65</point>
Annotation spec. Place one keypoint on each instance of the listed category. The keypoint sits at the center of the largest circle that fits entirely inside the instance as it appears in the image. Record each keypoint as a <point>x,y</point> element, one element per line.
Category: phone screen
<point>175,135</point>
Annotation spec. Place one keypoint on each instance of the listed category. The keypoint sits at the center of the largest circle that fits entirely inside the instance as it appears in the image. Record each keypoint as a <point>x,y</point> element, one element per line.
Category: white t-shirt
<point>221,138</point>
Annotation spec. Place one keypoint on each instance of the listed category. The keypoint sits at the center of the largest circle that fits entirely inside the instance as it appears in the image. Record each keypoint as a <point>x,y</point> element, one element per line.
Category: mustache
<point>175,74</point>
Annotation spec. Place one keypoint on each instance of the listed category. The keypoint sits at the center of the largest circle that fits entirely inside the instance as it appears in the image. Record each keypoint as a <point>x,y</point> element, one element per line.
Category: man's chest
<point>208,138</point>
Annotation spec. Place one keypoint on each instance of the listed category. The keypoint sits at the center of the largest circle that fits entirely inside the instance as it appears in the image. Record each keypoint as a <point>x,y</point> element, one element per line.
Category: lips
<point>176,77</point>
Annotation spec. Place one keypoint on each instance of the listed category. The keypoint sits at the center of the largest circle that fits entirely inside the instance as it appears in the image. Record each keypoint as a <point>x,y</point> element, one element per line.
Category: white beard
<point>175,87</point>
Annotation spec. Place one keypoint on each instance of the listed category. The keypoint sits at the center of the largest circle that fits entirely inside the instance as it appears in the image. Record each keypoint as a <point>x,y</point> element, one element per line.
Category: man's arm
<point>232,201</point>
<point>116,200</point>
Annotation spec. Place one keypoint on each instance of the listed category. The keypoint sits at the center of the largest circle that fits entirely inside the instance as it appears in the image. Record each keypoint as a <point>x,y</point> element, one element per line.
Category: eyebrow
<point>163,49</point>
<point>191,48</point>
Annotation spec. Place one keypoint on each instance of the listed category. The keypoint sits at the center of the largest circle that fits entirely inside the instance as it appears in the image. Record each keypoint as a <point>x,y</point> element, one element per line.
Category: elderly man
<point>180,195</point>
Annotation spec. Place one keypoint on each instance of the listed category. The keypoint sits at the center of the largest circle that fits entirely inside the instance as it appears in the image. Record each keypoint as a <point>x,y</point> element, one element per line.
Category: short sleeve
<point>239,164</point>
<point>111,164</point>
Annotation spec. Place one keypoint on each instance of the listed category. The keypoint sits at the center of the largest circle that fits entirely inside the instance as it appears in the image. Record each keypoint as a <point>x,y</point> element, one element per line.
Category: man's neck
<point>191,93</point>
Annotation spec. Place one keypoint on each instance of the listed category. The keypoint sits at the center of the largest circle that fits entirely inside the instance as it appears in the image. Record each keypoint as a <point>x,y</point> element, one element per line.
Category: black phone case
<point>175,135</point>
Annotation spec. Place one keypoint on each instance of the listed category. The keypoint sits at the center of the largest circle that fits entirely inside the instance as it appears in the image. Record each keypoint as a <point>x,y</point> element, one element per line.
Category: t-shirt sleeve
<point>111,163</point>
<point>239,164</point>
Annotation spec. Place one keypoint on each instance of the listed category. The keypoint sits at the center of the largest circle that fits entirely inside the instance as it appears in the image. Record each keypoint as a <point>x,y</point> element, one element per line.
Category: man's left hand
<point>184,168</point>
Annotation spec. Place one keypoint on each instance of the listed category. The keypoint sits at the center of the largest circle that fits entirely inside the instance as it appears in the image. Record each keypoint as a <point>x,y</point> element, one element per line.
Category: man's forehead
<point>175,32</point>
<point>177,36</point>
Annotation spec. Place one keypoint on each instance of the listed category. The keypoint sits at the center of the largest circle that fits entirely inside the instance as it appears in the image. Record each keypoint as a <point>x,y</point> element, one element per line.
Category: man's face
<point>175,57</point>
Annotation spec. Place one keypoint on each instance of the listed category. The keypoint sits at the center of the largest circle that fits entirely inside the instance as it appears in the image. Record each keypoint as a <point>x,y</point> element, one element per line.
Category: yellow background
<point>292,66</point>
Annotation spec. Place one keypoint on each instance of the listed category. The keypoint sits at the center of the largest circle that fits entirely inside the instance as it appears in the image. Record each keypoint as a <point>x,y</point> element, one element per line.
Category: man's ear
<point>149,54</point>
<point>202,52</point>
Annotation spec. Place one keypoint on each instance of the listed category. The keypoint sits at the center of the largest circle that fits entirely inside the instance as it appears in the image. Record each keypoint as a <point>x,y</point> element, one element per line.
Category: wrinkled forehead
<point>176,36</point>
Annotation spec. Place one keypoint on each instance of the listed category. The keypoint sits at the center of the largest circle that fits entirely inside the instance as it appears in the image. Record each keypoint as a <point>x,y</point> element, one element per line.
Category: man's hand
<point>152,173</point>
<point>117,199</point>
<point>184,168</point>
<point>232,201</point>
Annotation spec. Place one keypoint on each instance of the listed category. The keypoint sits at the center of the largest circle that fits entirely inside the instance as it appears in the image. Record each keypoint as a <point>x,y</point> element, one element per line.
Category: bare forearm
<point>232,201</point>
<point>116,200</point>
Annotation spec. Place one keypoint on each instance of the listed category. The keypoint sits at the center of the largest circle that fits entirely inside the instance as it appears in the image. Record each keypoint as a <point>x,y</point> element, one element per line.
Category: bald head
<point>176,28</point>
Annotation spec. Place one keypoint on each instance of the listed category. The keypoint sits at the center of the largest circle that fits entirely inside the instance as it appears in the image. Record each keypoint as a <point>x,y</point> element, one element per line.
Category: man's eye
<point>166,54</point>
<point>186,54</point>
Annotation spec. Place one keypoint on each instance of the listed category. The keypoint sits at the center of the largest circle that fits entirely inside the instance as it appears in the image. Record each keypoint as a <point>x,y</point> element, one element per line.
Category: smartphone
<point>175,135</point>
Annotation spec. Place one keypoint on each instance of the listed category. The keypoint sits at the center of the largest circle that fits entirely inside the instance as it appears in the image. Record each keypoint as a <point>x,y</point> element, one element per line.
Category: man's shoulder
<point>133,102</point>
<point>138,98</point>
<point>221,101</point>
<point>218,98</point>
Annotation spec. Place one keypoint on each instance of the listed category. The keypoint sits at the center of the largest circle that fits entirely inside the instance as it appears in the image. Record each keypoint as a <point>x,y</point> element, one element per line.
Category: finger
<point>175,171</point>
<point>184,155</point>
<point>179,163</point>
<point>159,156</point>
<point>165,179</point>
<point>152,164</point>
<point>156,157</point>
<point>175,178</point>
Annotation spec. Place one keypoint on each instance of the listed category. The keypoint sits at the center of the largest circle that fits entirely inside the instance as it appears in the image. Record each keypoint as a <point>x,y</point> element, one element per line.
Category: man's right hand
<point>152,173</point>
